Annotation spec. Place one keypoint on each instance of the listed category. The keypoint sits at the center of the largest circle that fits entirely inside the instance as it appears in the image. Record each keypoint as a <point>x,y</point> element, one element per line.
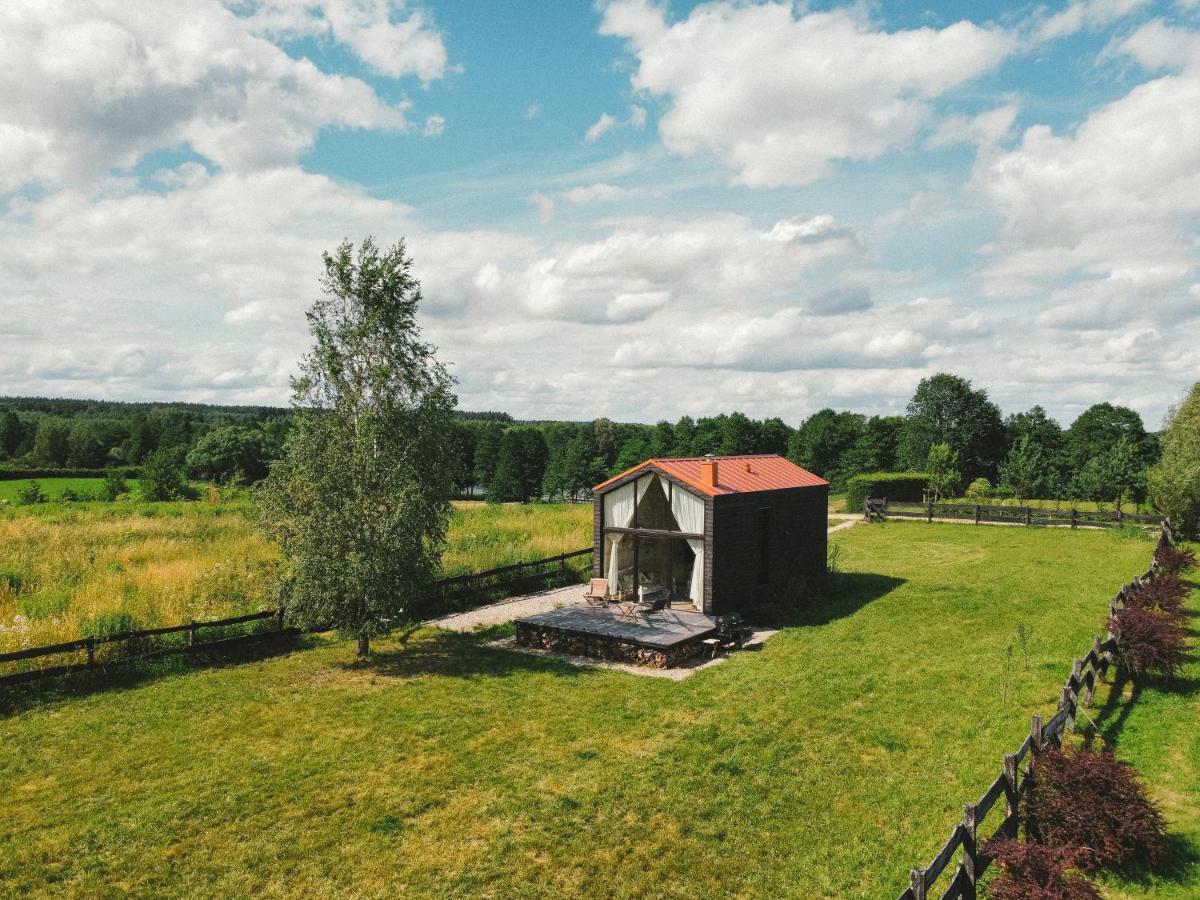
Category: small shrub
<point>1149,641</point>
<point>11,582</point>
<point>114,486</point>
<point>43,605</point>
<point>1164,593</point>
<point>30,494</point>
<point>1036,872</point>
<point>68,495</point>
<point>1093,806</point>
<point>1173,561</point>
<point>979,489</point>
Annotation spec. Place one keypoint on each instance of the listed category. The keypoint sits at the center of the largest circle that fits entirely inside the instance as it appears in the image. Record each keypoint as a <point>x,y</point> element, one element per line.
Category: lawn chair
<point>597,592</point>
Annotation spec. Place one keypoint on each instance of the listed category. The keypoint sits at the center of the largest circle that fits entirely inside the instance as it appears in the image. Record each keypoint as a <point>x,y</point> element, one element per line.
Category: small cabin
<point>714,534</point>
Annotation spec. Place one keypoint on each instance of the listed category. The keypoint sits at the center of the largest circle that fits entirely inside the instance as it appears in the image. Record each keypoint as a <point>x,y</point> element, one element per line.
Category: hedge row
<point>17,474</point>
<point>899,486</point>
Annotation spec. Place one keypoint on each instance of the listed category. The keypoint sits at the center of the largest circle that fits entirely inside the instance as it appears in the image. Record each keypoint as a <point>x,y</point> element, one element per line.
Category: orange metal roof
<point>735,474</point>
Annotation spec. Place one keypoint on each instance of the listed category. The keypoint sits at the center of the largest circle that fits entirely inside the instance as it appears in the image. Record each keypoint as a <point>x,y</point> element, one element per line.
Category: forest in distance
<point>1023,453</point>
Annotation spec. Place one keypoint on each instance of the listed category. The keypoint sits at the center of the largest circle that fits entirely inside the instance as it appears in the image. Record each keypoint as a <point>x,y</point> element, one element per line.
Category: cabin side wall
<point>763,544</point>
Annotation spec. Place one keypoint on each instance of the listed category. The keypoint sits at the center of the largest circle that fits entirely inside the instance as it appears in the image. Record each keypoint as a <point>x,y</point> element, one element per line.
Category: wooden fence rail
<point>448,594</point>
<point>1013,781</point>
<point>881,509</point>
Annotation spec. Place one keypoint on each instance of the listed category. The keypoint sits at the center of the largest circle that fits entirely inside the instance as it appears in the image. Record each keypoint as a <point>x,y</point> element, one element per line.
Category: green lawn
<point>825,765</point>
<point>54,487</point>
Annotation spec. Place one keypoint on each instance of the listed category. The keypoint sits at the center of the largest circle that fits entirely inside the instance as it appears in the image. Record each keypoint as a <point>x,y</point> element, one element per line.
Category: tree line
<point>950,428</point>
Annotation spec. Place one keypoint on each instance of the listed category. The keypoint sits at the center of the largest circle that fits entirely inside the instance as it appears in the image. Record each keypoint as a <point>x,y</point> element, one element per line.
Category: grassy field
<point>824,765</point>
<point>66,569</point>
<point>54,487</point>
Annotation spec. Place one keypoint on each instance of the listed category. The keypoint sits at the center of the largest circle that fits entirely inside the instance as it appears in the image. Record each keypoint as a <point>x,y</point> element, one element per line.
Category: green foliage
<point>51,443</point>
<point>43,604</point>
<point>1113,476</point>
<point>519,467</point>
<point>85,447</point>
<point>822,441</point>
<point>31,493</point>
<point>12,434</point>
<point>942,466</point>
<point>1174,481</point>
<point>979,489</point>
<point>1025,471</point>
<point>114,486</point>
<point>359,503</point>
<point>1097,431</point>
<point>234,452</point>
<point>898,486</point>
<point>946,410</point>
<point>163,478</point>
<point>487,452</point>
<point>107,624</point>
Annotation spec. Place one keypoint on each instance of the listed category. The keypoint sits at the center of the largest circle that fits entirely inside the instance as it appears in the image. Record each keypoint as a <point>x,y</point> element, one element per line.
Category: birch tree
<point>359,502</point>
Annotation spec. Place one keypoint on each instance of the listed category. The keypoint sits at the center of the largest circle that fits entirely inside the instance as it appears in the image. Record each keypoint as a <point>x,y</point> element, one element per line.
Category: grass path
<point>824,765</point>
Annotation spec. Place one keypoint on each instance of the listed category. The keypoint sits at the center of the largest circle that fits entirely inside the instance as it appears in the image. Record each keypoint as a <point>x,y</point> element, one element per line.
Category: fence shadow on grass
<point>456,655</point>
<point>126,675</point>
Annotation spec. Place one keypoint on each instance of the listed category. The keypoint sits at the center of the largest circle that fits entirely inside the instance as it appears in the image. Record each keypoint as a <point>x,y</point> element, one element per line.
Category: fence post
<point>917,881</point>
<point>1035,732</point>
<point>1065,705</point>
<point>929,511</point>
<point>976,513</point>
<point>91,652</point>
<point>1012,799</point>
<point>279,618</point>
<point>191,634</point>
<point>1029,515</point>
<point>1089,691</point>
<point>970,849</point>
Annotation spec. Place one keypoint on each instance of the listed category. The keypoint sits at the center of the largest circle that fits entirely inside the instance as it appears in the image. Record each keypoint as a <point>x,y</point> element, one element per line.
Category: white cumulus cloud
<point>781,95</point>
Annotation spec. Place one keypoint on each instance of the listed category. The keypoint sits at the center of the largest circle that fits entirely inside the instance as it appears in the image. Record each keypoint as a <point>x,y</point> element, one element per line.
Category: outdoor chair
<point>597,592</point>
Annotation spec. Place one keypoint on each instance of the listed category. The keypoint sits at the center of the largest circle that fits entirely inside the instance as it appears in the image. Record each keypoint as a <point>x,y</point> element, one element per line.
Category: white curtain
<point>618,512</point>
<point>688,510</point>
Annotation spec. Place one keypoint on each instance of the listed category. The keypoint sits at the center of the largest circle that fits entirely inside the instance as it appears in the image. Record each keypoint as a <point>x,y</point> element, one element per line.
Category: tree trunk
<point>364,646</point>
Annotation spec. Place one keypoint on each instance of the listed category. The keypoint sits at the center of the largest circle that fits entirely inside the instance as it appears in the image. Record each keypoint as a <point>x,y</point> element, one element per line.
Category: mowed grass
<point>826,764</point>
<point>54,487</point>
<point>64,566</point>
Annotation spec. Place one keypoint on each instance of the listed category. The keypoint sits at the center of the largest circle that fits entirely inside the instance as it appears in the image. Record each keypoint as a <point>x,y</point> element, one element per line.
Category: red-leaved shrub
<point>1149,641</point>
<point>1092,807</point>
<point>1164,593</point>
<point>1173,561</point>
<point>1036,872</point>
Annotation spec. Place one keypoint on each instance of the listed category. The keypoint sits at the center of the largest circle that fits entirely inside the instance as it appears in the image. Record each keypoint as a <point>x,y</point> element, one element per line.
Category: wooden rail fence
<point>882,509</point>
<point>454,594</point>
<point>1013,781</point>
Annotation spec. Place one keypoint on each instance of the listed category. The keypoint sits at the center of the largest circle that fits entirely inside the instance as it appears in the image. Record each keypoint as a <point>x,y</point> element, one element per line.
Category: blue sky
<point>632,209</point>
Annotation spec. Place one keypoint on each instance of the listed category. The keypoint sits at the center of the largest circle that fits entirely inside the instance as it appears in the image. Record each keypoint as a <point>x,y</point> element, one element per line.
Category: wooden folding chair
<point>597,592</point>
